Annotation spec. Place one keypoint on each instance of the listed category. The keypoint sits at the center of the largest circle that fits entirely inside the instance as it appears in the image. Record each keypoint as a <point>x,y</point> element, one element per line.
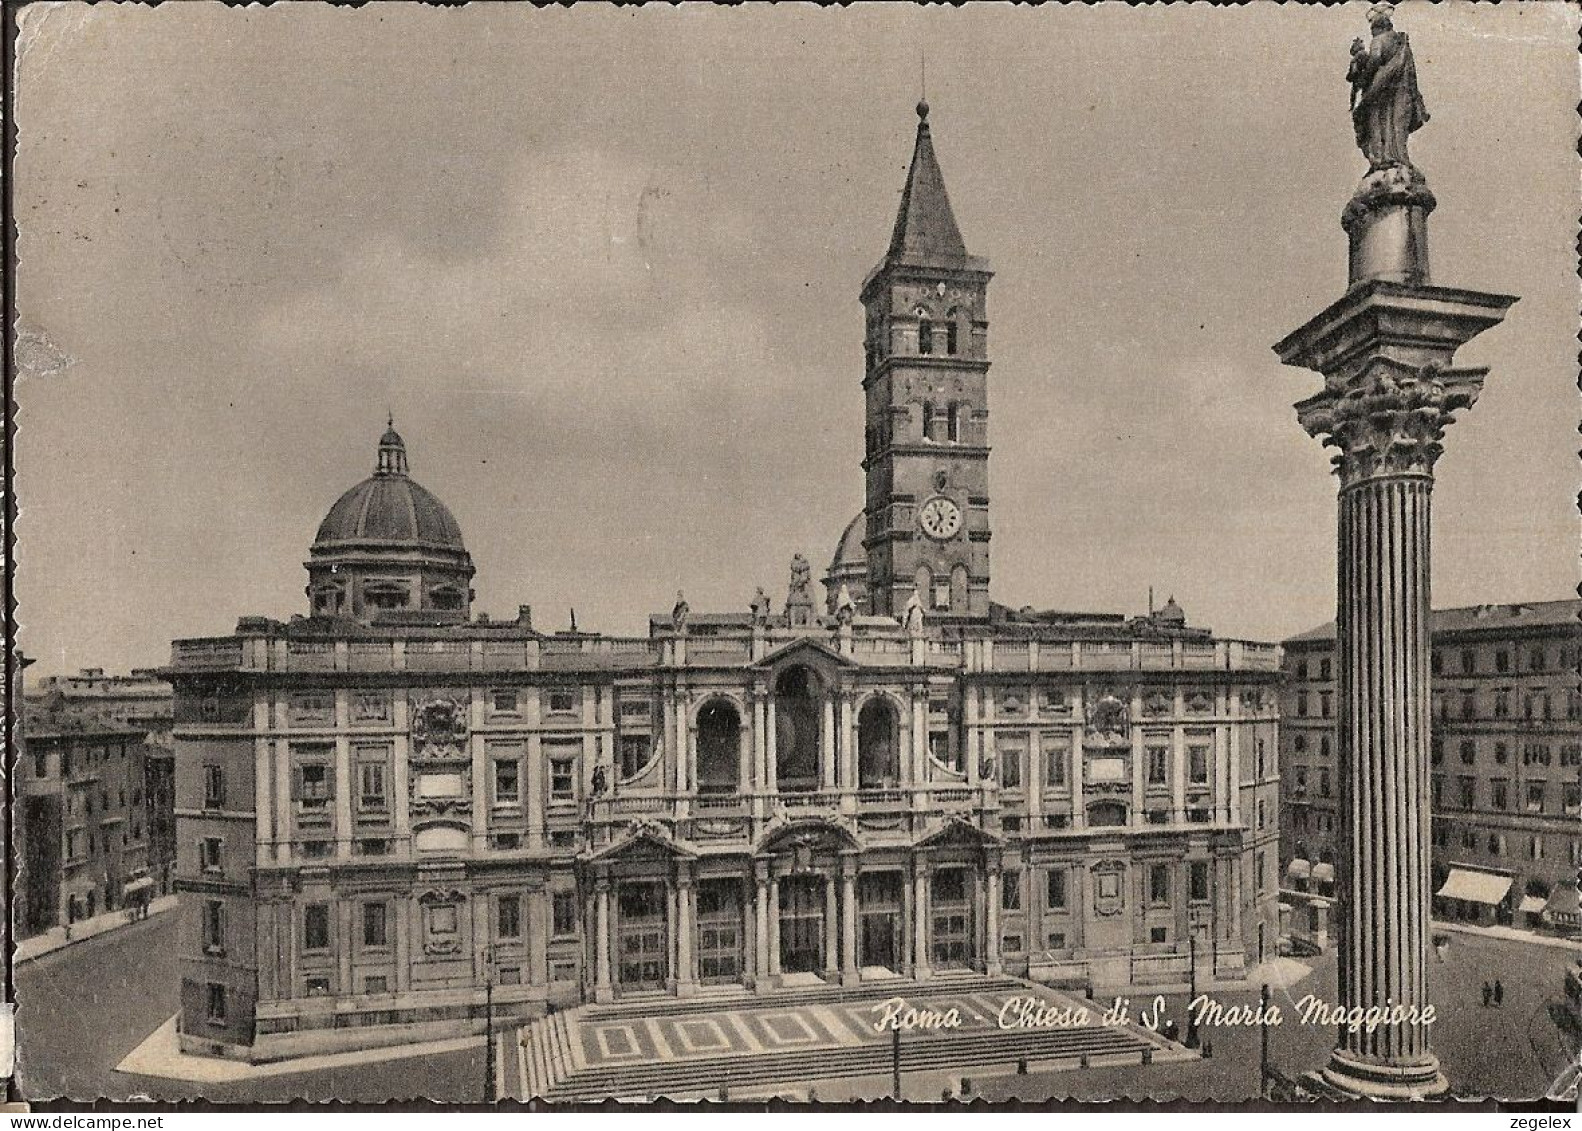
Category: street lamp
<point>489,1082</point>
<point>1191,1033</point>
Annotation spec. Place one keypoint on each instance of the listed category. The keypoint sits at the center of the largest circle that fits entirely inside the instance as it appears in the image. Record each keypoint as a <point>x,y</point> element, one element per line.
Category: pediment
<point>644,840</point>
<point>808,650</point>
<point>957,832</point>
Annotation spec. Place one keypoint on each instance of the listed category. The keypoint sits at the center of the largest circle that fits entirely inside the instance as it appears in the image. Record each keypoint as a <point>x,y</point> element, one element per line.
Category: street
<point>82,1009</point>
<point>1514,1051</point>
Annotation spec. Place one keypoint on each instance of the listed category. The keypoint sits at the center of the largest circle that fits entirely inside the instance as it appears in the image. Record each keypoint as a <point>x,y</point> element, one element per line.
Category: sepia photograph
<point>775,556</point>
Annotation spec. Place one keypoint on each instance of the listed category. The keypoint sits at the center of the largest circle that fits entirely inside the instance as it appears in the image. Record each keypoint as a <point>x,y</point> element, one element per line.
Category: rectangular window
<point>374,925</point>
<point>565,913</point>
<point>216,1003</point>
<point>1324,699</point>
<point>1468,662</point>
<point>1055,889</point>
<point>508,917</point>
<point>1469,751</point>
<point>505,701</point>
<point>213,927</point>
<point>1535,797</point>
<point>376,984</point>
<point>1500,794</point>
<point>1323,783</point>
<point>1158,934</point>
<point>1258,872</point>
<point>1467,791</point>
<point>371,784</point>
<point>1158,765</point>
<point>634,753</point>
<point>1199,881</point>
<point>1057,754</point>
<point>562,701</point>
<point>563,779</point>
<point>1197,763</point>
<point>1011,891</point>
<point>1011,767</point>
<point>316,986</point>
<point>1158,883</point>
<point>1057,940</point>
<point>316,926</point>
<point>209,854</point>
<point>213,787</point>
<point>507,781</point>
<point>313,785</point>
<point>1301,704</point>
<point>1323,668</point>
<point>1502,661</point>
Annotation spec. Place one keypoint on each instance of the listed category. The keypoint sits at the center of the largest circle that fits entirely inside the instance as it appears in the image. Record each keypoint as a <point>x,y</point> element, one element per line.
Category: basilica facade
<point>395,814</point>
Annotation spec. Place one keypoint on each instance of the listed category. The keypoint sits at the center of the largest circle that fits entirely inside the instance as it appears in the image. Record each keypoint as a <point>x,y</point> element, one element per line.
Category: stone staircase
<point>556,1071</point>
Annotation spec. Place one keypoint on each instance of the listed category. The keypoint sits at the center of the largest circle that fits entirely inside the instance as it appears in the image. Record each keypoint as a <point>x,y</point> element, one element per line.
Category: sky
<point>603,266</point>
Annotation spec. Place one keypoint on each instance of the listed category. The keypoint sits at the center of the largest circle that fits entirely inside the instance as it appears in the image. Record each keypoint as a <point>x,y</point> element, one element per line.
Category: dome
<point>849,553</point>
<point>389,506</point>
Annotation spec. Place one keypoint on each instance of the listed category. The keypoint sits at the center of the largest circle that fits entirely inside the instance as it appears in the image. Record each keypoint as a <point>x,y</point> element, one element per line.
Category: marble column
<point>920,967</point>
<point>686,914</point>
<point>831,927</point>
<point>1385,350</point>
<point>991,953</point>
<point>848,919</point>
<point>761,925</point>
<point>603,990</point>
<point>774,926</point>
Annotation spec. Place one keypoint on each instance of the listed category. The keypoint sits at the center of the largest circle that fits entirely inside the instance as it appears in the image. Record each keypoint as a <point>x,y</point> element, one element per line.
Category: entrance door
<point>801,924</point>
<point>719,931</point>
<point>642,936</point>
<point>952,920</point>
<point>879,897</point>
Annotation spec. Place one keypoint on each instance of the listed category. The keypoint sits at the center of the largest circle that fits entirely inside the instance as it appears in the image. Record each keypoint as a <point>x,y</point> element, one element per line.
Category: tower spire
<point>925,227</point>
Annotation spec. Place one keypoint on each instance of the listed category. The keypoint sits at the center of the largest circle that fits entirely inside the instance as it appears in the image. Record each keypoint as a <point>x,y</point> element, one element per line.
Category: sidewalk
<point>1510,934</point>
<point>55,938</point>
<point>160,1057</point>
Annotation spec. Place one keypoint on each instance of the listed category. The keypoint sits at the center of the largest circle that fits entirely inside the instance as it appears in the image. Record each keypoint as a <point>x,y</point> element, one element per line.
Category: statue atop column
<point>845,607</point>
<point>678,615</point>
<point>912,616</point>
<point>1387,217</point>
<point>1386,105</point>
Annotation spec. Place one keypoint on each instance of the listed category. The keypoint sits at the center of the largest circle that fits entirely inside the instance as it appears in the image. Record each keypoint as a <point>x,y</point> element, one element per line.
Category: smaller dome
<point>849,553</point>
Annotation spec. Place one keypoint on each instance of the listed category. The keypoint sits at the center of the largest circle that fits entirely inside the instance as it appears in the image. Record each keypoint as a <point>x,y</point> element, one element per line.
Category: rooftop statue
<point>1385,103</point>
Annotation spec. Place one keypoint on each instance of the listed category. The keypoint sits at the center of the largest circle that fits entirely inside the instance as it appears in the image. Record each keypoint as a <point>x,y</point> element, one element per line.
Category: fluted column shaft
<point>1383,632</point>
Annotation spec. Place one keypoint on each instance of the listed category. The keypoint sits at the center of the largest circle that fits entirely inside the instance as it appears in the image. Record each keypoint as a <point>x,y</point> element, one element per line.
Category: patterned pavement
<point>755,1028</point>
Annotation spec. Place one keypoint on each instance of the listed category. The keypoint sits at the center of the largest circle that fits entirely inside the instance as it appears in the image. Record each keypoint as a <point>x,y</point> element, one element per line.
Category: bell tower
<point>926,387</point>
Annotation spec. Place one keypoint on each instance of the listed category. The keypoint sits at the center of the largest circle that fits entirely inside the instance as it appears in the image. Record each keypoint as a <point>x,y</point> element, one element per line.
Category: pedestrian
<point>1499,993</point>
<point>1488,994</point>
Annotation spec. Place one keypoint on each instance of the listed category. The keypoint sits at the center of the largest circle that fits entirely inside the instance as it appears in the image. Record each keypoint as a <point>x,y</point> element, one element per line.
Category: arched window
<point>924,583</point>
<point>925,337</point>
<point>878,752</point>
<point>798,729</point>
<point>719,749</point>
<point>958,587</point>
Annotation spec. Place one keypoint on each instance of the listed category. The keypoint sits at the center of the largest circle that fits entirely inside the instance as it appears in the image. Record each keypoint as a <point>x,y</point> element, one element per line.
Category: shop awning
<point>1475,887</point>
<point>1532,904</point>
<point>1298,869</point>
<point>1323,873</point>
<point>1562,906</point>
<point>142,883</point>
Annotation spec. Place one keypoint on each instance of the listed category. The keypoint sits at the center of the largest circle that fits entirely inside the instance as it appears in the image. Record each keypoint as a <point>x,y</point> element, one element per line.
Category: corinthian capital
<point>1390,418</point>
